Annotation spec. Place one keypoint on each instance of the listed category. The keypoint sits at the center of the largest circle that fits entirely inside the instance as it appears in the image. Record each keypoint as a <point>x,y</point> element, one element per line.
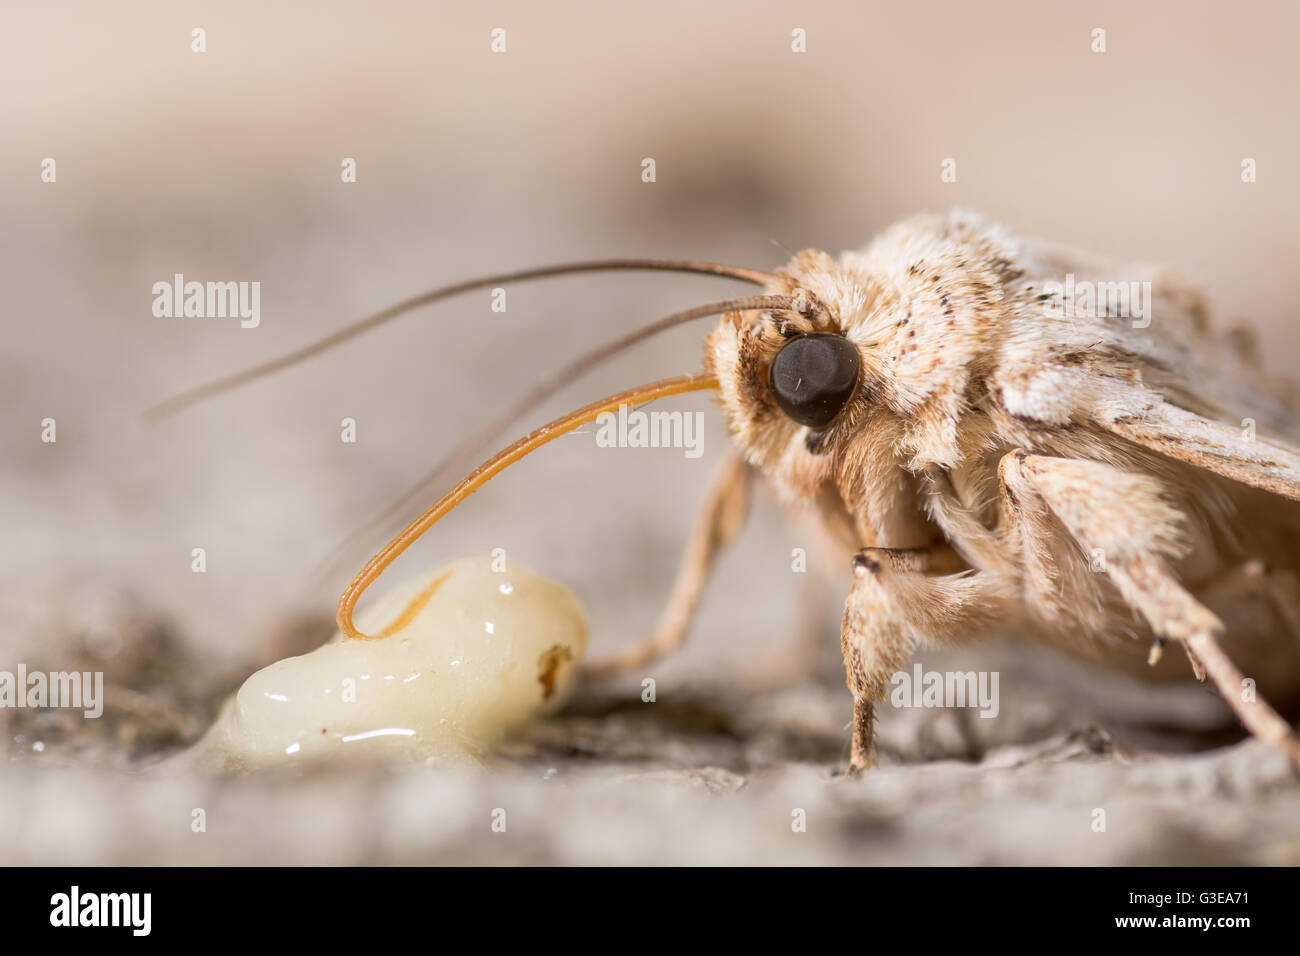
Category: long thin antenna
<point>474,444</point>
<point>494,466</point>
<point>185,399</point>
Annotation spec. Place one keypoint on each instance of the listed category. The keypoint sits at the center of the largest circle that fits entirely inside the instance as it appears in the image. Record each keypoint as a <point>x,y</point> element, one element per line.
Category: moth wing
<point>1171,383</point>
<point>1232,450</point>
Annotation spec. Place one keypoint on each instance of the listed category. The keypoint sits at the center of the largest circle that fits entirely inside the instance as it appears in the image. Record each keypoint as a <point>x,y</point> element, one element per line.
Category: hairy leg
<point>1123,517</point>
<point>723,515</point>
<point>894,606</point>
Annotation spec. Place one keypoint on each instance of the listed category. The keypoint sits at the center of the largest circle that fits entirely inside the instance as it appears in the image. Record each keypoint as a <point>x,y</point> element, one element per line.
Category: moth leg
<point>894,607</point>
<point>723,514</point>
<point>1133,529</point>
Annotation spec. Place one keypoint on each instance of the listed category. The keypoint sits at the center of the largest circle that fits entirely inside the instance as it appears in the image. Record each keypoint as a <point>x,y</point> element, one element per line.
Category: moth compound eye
<point>814,376</point>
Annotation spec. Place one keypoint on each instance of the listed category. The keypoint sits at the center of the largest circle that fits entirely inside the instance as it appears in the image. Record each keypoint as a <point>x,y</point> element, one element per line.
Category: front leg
<point>894,607</point>
<point>721,518</point>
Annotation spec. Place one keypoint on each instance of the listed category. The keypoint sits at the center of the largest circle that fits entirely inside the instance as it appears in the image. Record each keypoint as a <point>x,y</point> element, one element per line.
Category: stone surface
<point>709,772</point>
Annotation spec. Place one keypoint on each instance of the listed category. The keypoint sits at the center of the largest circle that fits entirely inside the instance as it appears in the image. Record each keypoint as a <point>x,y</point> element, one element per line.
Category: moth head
<point>891,351</point>
<point>790,380</point>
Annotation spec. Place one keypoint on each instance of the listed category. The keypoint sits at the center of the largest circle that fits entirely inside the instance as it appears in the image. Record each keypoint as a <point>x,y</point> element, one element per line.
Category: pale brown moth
<point>988,455</point>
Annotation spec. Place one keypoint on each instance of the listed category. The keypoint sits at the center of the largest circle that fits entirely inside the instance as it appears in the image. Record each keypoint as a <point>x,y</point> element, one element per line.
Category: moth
<point>989,444</point>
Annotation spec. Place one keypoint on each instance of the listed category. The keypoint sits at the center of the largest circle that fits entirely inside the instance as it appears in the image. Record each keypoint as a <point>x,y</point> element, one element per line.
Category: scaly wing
<point>1232,450</point>
<point>1170,383</point>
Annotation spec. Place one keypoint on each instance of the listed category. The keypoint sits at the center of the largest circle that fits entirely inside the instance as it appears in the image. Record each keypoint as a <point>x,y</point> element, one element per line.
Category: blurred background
<point>225,166</point>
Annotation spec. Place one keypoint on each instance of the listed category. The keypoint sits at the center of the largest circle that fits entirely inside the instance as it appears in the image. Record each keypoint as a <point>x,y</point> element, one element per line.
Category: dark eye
<point>813,377</point>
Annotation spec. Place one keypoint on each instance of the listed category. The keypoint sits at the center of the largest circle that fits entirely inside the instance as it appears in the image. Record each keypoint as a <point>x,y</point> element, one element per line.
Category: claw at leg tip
<point>1156,652</point>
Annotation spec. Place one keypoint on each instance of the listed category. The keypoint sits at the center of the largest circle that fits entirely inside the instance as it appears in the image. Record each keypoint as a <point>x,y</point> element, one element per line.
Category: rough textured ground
<point>710,772</point>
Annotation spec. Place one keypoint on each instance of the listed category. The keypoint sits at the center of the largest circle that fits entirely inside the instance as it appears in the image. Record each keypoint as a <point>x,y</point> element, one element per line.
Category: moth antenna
<point>187,398</point>
<point>502,460</point>
<point>474,444</point>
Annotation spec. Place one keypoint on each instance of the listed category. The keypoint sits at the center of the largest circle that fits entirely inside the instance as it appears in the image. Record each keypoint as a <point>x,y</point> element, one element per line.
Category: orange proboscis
<point>492,467</point>
<point>416,605</point>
